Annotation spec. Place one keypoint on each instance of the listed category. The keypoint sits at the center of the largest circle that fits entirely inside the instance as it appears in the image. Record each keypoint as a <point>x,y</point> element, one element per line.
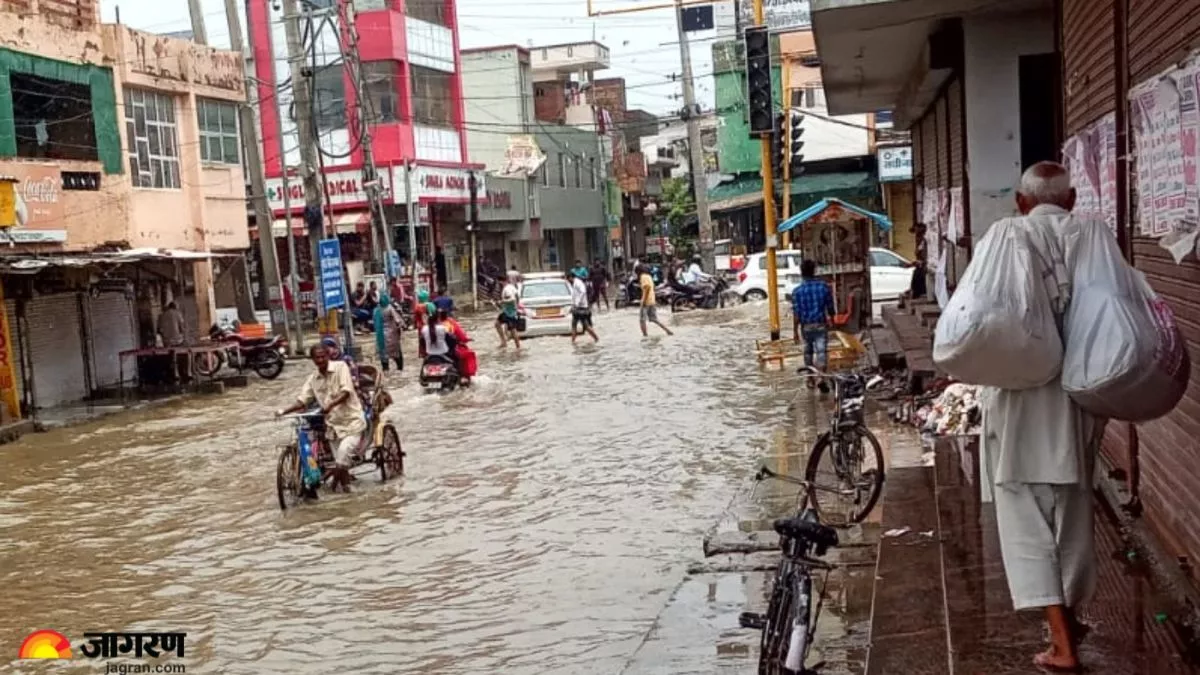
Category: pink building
<point>410,55</point>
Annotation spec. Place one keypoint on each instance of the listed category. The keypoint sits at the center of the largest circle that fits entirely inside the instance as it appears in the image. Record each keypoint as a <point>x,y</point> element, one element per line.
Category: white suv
<point>890,275</point>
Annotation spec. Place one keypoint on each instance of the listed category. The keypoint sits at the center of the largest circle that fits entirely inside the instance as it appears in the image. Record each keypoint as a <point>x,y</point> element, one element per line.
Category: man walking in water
<point>649,309</point>
<point>581,311</point>
<point>509,318</point>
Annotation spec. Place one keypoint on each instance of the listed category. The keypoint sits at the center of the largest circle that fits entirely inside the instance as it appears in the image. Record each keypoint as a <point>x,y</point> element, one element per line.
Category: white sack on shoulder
<point>1125,357</point>
<point>999,329</point>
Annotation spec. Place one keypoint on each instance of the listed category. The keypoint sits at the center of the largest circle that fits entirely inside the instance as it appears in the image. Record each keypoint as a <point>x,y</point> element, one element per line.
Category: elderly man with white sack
<point>1039,446</point>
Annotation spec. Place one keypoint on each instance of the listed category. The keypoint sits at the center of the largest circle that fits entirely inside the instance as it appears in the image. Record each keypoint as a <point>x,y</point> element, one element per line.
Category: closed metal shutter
<point>929,160</point>
<point>57,348</point>
<point>1089,62</point>
<point>1160,35</point>
<point>957,139</point>
<point>941,129</point>
<point>112,329</point>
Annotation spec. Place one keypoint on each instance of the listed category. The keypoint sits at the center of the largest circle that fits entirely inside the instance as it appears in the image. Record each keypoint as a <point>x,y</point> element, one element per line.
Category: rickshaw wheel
<point>287,478</point>
<point>390,456</point>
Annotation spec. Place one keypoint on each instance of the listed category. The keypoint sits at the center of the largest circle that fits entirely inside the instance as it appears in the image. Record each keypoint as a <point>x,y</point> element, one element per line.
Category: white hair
<point>1046,183</point>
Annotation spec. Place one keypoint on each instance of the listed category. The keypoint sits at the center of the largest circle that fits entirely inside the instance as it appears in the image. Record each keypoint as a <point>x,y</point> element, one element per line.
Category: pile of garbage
<point>953,412</point>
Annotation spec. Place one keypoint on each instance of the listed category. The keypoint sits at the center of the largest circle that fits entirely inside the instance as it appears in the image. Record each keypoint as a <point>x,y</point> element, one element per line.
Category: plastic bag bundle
<point>999,328</point>
<point>1125,357</point>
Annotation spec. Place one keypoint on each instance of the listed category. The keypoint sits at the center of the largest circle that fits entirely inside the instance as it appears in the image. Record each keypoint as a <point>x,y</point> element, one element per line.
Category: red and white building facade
<point>410,59</point>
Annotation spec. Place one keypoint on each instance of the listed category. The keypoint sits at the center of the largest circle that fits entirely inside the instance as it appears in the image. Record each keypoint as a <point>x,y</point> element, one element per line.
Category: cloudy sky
<point>643,45</point>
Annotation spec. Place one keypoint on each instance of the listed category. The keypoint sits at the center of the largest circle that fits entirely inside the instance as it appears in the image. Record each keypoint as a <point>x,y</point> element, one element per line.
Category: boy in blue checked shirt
<point>812,307</point>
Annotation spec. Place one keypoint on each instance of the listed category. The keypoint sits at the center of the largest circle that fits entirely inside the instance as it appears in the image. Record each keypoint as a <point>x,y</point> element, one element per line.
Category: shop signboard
<point>37,203</point>
<point>333,288</point>
<point>733,16</point>
<point>523,156</point>
<point>895,163</point>
<point>436,184</point>
<point>345,188</point>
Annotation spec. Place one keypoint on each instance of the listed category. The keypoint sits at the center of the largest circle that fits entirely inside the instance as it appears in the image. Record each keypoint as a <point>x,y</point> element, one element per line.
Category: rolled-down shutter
<point>1089,62</point>
<point>112,330</point>
<point>10,310</point>
<point>956,137</point>
<point>57,348</point>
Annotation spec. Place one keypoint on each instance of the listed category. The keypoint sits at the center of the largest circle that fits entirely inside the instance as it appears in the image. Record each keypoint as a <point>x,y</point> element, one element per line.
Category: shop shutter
<point>10,309</point>
<point>942,131</point>
<point>111,325</point>
<point>1089,62</point>
<point>954,112</point>
<point>1160,35</point>
<point>57,348</point>
<point>929,161</point>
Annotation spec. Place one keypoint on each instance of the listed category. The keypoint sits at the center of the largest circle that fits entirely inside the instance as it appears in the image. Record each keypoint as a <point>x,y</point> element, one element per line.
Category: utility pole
<point>472,226</point>
<point>199,34</point>
<point>372,183</point>
<point>410,200</point>
<point>281,148</point>
<point>695,147</point>
<point>302,80</point>
<point>785,74</point>
<point>271,282</point>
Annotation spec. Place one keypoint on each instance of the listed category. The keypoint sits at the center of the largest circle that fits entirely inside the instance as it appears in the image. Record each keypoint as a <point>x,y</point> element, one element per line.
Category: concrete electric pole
<point>302,82</point>
<point>270,280</point>
<point>695,147</point>
<point>199,34</point>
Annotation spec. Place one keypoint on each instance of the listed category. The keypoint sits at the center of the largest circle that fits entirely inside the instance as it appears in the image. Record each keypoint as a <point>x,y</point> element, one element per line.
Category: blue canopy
<point>881,221</point>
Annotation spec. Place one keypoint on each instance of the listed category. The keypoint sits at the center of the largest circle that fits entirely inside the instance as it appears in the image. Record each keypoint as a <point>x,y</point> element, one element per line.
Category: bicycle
<point>790,623</point>
<point>845,444</point>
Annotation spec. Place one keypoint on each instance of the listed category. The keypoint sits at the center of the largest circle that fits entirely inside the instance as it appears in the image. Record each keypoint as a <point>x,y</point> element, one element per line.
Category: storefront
<point>502,214</point>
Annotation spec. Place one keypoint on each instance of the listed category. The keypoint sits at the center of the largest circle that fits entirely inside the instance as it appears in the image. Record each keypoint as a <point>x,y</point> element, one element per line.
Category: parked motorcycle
<point>630,293</point>
<point>264,356</point>
<point>709,295</point>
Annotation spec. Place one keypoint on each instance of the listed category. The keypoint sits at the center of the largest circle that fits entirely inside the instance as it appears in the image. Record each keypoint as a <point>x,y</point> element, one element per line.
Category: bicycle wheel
<point>390,456</point>
<point>287,478</point>
<point>798,627</point>
<point>845,473</point>
<point>773,644</point>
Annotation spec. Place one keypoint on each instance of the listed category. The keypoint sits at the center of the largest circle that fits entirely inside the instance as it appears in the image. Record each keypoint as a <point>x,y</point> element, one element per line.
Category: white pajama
<point>345,449</point>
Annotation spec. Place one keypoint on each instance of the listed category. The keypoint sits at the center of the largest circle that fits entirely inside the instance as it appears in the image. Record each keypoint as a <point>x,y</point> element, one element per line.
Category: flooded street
<point>547,516</point>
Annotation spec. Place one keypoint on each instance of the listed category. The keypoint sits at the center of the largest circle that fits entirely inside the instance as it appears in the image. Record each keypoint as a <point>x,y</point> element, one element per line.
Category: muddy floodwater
<point>547,517</point>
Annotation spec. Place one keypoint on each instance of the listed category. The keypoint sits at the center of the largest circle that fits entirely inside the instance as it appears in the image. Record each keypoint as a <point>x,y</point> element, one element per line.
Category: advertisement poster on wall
<point>39,205</point>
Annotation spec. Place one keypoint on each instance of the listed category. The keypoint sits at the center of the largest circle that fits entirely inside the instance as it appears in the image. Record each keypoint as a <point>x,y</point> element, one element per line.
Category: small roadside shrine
<point>837,235</point>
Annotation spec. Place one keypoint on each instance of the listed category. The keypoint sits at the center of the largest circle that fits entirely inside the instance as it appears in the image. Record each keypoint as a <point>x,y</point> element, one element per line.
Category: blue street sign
<point>333,289</point>
<point>393,264</point>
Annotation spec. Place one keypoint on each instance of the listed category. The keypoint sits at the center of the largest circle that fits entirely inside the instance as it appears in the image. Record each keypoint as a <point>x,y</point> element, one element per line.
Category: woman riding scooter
<point>441,342</point>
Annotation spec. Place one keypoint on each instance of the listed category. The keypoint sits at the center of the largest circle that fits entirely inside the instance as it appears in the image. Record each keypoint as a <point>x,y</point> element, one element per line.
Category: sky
<point>643,45</point>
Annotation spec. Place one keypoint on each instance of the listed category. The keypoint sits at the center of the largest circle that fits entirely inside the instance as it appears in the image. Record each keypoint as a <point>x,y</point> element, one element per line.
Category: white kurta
<point>1039,450</point>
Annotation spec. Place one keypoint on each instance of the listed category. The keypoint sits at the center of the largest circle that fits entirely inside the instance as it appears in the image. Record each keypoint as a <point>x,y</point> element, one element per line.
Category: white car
<point>891,275</point>
<point>547,300</point>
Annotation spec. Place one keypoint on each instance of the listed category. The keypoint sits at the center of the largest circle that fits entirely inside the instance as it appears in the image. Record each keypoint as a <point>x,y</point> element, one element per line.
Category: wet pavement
<point>547,522</point>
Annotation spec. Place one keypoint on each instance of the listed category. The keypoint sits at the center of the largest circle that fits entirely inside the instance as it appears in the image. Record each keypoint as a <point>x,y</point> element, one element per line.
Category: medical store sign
<point>895,163</point>
<point>437,184</point>
<point>344,188</point>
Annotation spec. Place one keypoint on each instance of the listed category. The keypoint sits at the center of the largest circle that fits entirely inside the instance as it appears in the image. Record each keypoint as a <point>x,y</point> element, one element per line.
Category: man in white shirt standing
<point>1040,448</point>
<point>509,319</point>
<point>581,311</point>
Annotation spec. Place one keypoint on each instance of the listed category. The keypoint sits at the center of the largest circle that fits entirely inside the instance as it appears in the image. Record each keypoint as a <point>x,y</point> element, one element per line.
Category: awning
<point>27,264</point>
<point>881,221</point>
<point>747,191</point>
<point>279,228</point>
<point>344,223</point>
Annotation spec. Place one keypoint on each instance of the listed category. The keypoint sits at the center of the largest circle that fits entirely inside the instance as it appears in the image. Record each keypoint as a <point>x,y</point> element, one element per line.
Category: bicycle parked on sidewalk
<point>791,619</point>
<point>843,485</point>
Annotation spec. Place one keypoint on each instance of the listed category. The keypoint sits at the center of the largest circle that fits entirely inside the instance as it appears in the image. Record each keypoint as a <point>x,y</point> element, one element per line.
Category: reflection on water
<point>548,514</point>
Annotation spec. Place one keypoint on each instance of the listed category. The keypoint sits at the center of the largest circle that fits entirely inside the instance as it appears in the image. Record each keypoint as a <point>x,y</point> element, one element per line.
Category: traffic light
<point>778,151</point>
<point>795,143</point>
<point>758,80</point>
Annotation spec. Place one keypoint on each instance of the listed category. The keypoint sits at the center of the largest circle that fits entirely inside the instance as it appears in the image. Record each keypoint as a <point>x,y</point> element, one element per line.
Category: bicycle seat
<point>799,527</point>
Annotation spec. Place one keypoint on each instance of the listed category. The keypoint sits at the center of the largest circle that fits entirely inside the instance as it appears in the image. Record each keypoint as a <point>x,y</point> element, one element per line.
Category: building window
<point>545,171</point>
<point>218,131</point>
<point>810,96</point>
<point>592,171</point>
<point>432,102</point>
<point>380,78</point>
<point>153,145</point>
<point>329,98</point>
<point>579,172</point>
<point>52,119</point>
<point>562,170</point>
<point>433,11</point>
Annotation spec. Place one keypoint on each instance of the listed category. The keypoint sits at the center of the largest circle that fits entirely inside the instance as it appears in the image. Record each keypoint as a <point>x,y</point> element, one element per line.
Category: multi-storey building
<point>123,151</point>
<point>412,72</point>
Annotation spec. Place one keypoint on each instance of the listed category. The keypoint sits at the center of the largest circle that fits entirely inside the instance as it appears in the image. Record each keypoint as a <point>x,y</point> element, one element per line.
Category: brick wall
<point>609,94</point>
<point>549,102</point>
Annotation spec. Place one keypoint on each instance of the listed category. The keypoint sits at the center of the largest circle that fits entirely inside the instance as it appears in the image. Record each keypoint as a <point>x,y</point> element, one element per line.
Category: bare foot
<point>1051,660</point>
